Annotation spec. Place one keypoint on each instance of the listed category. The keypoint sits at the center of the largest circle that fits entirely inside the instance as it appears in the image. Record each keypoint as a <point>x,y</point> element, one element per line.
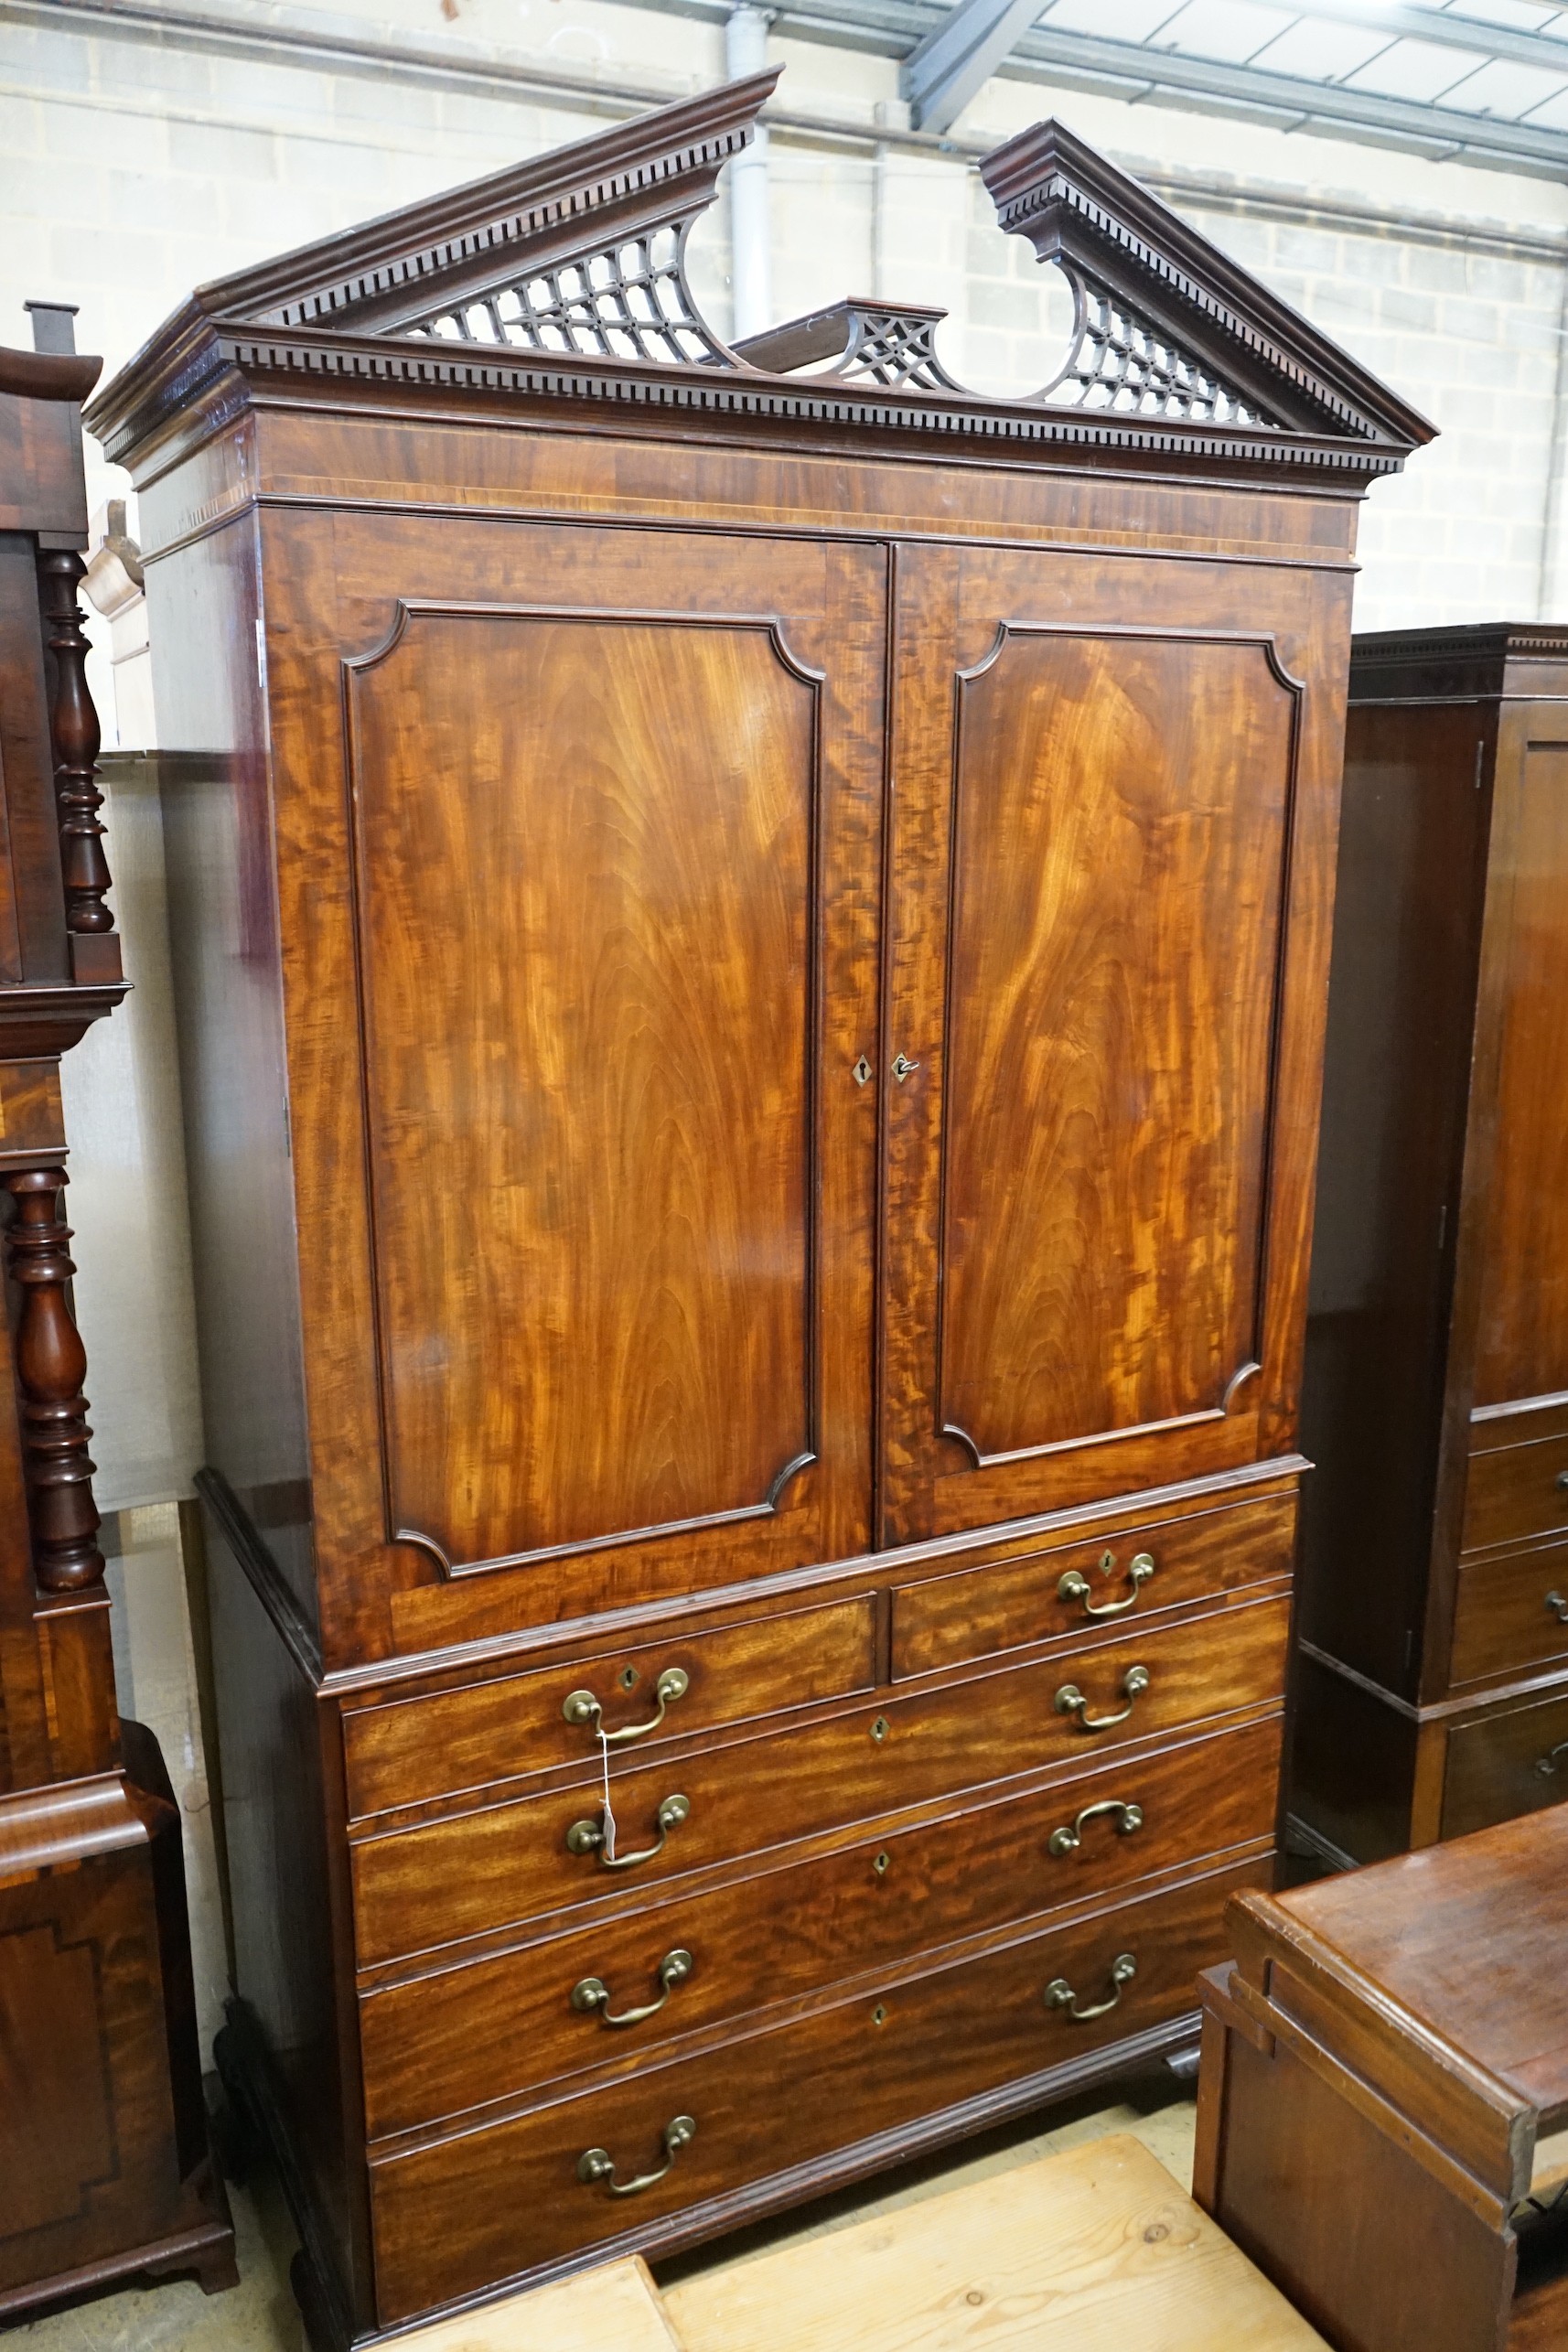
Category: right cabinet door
<point>1115,793</point>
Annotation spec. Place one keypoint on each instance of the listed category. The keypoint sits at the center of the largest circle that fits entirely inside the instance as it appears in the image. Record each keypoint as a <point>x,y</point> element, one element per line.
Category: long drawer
<point>1515,1491</point>
<point>453,2038</point>
<point>468,2210</point>
<point>1511,1610</point>
<point>1036,1596</point>
<point>1513,1760</point>
<point>400,1751</point>
<point>418,1888</point>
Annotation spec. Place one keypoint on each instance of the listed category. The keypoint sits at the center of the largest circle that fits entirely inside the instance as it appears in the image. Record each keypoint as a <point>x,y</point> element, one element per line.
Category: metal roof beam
<point>1296,104</point>
<point>958,57</point>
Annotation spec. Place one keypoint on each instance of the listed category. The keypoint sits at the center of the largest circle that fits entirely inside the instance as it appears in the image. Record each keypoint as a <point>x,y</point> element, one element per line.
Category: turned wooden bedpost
<point>76,736</point>
<point>52,1365</point>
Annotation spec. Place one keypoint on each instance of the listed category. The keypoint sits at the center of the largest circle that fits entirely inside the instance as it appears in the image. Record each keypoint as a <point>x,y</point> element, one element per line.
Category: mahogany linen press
<point>752,934</point>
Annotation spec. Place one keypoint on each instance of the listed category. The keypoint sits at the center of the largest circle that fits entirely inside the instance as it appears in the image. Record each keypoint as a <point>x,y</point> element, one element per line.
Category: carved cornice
<point>565,279</point>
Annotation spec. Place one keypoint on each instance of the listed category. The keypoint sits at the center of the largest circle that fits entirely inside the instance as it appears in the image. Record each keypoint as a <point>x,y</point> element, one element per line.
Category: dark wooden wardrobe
<point>753,935</point>
<point>104,2159</point>
<point>1431,1676</point>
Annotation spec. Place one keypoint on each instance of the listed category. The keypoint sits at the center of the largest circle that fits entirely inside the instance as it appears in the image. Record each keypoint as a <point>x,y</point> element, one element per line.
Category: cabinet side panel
<point>277,1828</point>
<point>1523,1342</point>
<point>1401,1006</point>
<point>214,777</point>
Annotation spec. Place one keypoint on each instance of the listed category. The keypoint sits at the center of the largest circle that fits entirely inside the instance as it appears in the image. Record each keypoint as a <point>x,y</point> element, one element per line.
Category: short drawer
<point>423,1887</point>
<point>1512,1761</point>
<point>457,2038</point>
<point>1516,1491</point>
<point>1510,1610</point>
<point>405,1751</point>
<point>471,2209</point>
<point>947,1620</point>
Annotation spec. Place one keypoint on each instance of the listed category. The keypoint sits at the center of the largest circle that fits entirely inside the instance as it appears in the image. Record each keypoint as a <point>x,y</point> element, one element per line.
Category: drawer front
<point>947,1620</point>
<point>1517,1491</point>
<point>406,1751</point>
<point>1510,1611</point>
<point>418,1888</point>
<point>489,2030</point>
<point>473,2209</point>
<point>1512,1762</point>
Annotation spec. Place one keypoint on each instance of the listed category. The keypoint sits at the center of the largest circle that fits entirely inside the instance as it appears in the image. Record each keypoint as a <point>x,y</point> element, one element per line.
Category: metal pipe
<point>745,51</point>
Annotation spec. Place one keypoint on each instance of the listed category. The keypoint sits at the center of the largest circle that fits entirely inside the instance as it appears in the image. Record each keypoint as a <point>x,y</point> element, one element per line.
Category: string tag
<point>610,1816</point>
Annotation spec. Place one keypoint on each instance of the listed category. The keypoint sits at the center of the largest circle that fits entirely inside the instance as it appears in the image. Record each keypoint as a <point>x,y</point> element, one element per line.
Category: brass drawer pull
<point>1547,1764</point>
<point>588,1837</point>
<point>1077,1587</point>
<point>1059,1993</point>
<point>591,1992</point>
<point>1067,1841</point>
<point>596,2169</point>
<point>1558,1606</point>
<point>1071,1701</point>
<point>582,1707</point>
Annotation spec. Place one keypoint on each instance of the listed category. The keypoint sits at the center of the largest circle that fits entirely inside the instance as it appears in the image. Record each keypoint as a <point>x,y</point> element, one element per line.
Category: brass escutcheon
<point>1558,1604</point>
<point>879,1729</point>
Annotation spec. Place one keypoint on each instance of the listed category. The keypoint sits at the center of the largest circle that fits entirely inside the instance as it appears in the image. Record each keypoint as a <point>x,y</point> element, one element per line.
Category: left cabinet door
<point>596,1324</point>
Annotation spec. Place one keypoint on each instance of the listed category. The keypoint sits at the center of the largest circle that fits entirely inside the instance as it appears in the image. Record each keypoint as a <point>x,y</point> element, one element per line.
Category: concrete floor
<point>259,2314</point>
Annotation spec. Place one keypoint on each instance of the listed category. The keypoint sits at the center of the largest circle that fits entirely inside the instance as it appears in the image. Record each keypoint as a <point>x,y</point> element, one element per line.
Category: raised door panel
<point>1522,1339</point>
<point>613,835</point>
<point>587,983</point>
<point>1089,1284</point>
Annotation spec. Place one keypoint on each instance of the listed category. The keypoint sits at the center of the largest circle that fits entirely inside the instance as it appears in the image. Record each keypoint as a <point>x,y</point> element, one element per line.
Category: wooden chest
<point>1433,1667</point>
<point>752,935</point>
<point>1383,2107</point>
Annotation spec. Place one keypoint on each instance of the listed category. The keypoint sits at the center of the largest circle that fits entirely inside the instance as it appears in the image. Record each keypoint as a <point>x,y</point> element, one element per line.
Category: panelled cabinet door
<point>1107,780</point>
<point>614,797</point>
<point>1522,1351</point>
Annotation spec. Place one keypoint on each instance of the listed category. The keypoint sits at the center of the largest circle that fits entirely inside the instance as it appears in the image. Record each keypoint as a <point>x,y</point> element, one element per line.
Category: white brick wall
<point>134,169</point>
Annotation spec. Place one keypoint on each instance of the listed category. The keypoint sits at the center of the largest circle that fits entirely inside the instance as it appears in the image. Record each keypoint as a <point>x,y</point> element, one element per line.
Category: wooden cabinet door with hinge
<point>608,904</point>
<point>1111,779</point>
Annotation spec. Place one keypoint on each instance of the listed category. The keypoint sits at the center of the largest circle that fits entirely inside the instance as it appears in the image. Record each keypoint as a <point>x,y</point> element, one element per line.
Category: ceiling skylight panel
<point>1320,49</point>
<point>1113,20</point>
<point>1519,15</point>
<point>1553,116</point>
<point>1229,30</point>
<point>1414,69</point>
<point>1502,88</point>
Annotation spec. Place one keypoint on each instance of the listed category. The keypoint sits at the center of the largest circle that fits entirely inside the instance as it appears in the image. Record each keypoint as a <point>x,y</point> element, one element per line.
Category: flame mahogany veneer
<point>752,932</point>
